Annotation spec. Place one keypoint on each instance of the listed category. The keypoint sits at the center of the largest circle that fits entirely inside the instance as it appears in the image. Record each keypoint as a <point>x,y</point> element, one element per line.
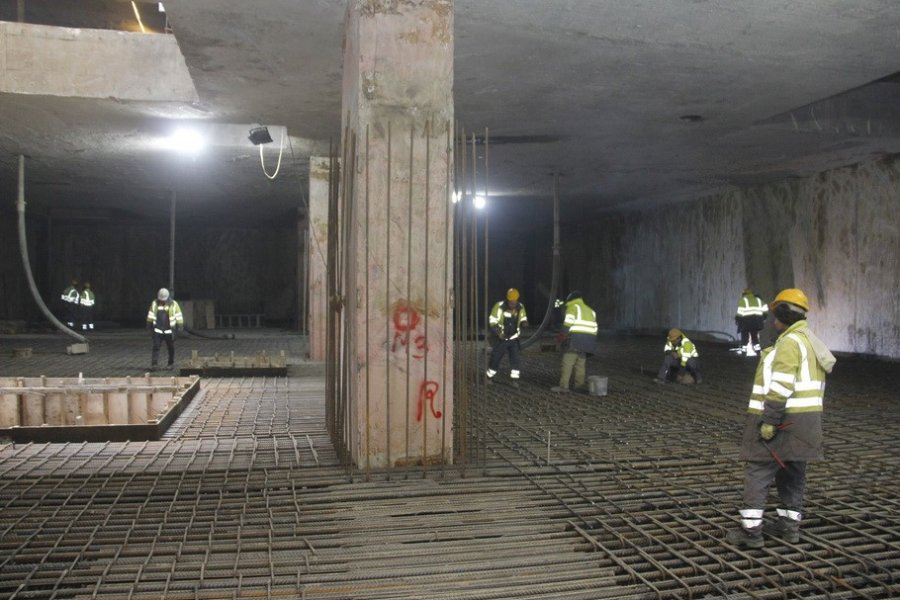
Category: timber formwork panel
<point>623,496</point>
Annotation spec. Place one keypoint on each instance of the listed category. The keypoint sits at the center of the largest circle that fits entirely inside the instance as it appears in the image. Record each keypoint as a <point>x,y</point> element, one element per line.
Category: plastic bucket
<point>597,385</point>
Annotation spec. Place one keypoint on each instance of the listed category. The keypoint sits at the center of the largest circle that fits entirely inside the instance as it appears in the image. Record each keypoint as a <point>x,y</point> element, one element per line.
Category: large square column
<point>398,120</point>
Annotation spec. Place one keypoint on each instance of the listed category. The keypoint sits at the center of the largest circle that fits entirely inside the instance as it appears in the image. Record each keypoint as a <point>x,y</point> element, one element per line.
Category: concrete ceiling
<point>635,104</point>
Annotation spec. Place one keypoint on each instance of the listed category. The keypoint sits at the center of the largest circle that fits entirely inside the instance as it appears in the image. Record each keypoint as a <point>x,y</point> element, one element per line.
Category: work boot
<point>658,380</point>
<point>784,529</point>
<point>559,389</point>
<point>154,367</point>
<point>745,538</point>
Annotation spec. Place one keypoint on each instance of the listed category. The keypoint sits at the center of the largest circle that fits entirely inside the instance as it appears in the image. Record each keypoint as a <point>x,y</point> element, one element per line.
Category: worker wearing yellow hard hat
<point>783,428</point>
<point>505,324</point>
<point>681,360</point>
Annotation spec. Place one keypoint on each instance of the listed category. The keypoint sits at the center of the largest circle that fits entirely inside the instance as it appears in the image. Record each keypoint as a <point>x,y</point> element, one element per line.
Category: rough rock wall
<point>834,235</point>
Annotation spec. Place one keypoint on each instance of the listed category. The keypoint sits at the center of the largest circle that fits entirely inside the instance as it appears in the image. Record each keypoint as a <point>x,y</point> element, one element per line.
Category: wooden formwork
<point>67,409</point>
<point>261,364</point>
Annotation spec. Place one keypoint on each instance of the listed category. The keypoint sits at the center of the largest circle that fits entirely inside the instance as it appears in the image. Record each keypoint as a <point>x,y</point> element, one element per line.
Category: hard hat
<point>674,334</point>
<point>512,294</point>
<point>573,294</point>
<point>162,295</point>
<point>791,296</point>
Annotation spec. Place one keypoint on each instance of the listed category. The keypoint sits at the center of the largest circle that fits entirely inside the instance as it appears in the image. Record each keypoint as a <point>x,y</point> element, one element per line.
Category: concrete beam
<point>91,63</point>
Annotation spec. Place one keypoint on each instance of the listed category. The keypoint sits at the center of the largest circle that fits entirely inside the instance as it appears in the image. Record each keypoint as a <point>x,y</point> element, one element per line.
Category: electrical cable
<point>277,166</point>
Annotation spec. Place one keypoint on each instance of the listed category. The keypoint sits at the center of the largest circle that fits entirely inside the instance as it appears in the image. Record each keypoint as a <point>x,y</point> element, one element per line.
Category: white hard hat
<point>162,295</point>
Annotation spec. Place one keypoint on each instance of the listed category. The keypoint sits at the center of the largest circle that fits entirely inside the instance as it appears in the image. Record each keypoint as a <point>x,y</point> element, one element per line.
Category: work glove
<point>767,431</point>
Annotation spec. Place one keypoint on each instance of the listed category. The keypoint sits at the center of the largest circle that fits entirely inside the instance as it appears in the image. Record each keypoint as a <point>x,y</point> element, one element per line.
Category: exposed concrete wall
<point>243,269</point>
<point>92,63</point>
<point>834,235</point>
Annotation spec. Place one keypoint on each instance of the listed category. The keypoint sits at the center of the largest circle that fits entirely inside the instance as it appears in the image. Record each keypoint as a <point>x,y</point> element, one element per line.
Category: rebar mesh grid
<point>632,500</point>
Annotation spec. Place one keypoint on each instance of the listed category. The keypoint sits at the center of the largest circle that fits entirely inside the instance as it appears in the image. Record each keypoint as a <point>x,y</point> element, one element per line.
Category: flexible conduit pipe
<point>23,250</point>
<point>554,281</point>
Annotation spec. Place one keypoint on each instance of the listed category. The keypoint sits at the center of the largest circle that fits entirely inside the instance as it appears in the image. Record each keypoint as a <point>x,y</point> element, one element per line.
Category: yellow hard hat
<point>674,334</point>
<point>512,294</point>
<point>793,296</point>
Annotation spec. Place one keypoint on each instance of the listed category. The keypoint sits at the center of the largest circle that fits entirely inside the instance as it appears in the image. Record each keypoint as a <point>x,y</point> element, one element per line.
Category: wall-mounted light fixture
<point>260,135</point>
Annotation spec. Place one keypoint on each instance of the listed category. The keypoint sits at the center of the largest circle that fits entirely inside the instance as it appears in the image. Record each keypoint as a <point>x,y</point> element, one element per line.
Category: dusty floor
<point>564,496</point>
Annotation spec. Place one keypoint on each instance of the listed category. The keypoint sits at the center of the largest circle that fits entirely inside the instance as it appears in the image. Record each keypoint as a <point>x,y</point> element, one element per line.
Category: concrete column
<point>319,168</point>
<point>398,108</point>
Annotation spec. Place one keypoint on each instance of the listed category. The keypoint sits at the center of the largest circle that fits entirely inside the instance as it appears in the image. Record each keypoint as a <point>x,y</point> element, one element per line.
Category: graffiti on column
<point>427,392</point>
<point>406,326</point>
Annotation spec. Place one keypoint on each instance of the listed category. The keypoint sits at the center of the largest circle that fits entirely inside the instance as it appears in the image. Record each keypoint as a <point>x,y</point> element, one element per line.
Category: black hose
<point>223,336</point>
<point>23,250</point>
<point>554,281</point>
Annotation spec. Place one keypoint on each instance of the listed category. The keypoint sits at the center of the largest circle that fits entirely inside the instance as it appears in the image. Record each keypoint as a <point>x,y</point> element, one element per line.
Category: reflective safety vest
<point>70,295</point>
<point>506,321</point>
<point>171,310</point>
<point>685,349</point>
<point>788,392</point>
<point>789,377</point>
<point>581,324</point>
<point>751,306</point>
<point>580,318</point>
<point>87,298</point>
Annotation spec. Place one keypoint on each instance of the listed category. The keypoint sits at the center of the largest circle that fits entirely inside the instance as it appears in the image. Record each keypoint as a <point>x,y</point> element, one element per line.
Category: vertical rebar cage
<point>403,295</point>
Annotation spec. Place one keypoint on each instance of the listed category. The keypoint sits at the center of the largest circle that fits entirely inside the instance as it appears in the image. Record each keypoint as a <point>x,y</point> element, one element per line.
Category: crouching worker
<point>681,355</point>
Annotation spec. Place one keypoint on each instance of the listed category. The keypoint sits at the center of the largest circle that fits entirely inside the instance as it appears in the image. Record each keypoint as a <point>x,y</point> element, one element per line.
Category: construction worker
<point>580,339</point>
<point>88,300</point>
<point>681,355</point>
<point>783,429</point>
<point>165,320</point>
<point>505,324</point>
<point>71,298</point>
<point>750,319</point>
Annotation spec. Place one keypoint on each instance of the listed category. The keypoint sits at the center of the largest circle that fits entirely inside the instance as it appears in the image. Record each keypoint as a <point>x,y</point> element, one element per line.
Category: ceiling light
<point>479,201</point>
<point>456,197</point>
<point>188,141</point>
<point>260,135</point>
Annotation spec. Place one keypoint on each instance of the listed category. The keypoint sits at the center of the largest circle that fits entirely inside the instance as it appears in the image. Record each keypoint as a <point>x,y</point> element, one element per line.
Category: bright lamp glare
<point>456,197</point>
<point>480,201</point>
<point>187,141</point>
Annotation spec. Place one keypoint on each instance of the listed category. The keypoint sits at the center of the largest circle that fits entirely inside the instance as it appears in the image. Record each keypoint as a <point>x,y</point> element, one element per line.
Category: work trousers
<point>501,348</point>
<point>158,339</point>
<point>671,362</point>
<point>790,482</point>
<point>573,361</point>
<point>746,336</point>
<point>73,314</point>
